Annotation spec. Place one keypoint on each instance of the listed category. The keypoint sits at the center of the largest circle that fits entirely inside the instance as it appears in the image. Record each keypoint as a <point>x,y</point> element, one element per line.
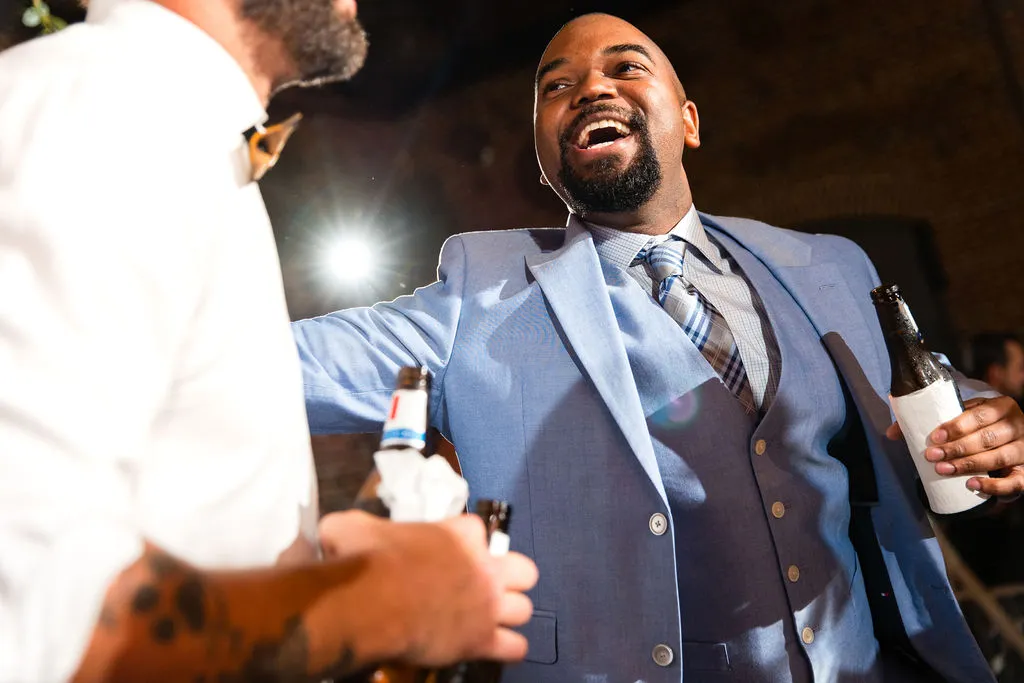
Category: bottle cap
<point>886,294</point>
<point>495,513</point>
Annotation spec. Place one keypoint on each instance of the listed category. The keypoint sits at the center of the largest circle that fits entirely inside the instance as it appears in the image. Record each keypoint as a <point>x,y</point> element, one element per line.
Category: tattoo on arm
<point>180,603</point>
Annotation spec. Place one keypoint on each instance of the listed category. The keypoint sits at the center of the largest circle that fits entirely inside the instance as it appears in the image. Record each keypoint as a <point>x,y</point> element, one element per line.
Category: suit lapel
<point>818,288</point>
<point>569,278</point>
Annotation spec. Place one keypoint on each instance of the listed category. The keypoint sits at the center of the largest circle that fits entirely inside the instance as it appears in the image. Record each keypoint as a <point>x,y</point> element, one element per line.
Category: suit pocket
<point>542,635</point>
<point>705,656</point>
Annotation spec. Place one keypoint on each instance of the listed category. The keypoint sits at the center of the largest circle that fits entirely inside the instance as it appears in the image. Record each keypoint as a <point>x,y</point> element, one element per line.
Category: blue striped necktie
<point>698,317</point>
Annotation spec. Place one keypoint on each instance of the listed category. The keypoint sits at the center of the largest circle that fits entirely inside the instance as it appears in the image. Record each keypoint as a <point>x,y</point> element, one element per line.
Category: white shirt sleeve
<point>100,273</point>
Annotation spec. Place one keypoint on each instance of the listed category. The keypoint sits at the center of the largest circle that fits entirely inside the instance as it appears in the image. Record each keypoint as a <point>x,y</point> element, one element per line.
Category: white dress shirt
<point>149,383</point>
<point>717,277</point>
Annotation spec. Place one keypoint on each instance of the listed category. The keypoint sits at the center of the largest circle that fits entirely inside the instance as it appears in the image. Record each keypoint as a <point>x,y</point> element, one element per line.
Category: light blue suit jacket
<point>520,335</point>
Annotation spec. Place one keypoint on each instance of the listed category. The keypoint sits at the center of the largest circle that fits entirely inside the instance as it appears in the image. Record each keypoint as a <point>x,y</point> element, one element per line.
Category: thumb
<point>894,433</point>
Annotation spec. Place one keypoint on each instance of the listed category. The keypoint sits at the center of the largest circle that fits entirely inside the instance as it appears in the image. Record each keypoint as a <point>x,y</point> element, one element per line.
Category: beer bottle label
<point>918,414</point>
<point>406,423</point>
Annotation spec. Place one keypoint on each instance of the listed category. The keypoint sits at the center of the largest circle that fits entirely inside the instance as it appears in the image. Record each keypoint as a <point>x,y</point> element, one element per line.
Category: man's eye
<point>627,67</point>
<point>557,85</point>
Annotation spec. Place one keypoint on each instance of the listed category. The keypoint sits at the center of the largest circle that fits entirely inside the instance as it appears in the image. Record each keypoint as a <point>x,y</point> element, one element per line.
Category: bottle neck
<point>406,424</point>
<point>913,366</point>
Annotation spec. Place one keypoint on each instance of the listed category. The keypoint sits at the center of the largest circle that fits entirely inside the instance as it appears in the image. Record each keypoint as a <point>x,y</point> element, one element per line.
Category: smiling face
<point>610,117</point>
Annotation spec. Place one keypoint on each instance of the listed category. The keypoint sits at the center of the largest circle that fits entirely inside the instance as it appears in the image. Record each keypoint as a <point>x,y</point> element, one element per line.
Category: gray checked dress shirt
<point>719,279</point>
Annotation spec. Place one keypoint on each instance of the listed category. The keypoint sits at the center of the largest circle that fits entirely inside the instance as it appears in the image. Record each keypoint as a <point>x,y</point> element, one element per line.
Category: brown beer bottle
<point>496,515</point>
<point>923,395</point>
<point>404,428</point>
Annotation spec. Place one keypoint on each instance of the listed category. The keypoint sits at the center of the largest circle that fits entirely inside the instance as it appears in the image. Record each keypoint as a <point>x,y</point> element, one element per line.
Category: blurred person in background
<point>997,358</point>
<point>155,462</point>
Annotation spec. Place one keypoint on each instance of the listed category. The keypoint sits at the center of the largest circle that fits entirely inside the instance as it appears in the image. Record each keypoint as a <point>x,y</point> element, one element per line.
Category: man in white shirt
<point>153,442</point>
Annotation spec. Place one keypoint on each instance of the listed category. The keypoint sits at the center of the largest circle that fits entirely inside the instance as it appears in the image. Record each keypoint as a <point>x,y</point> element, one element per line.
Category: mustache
<point>636,122</point>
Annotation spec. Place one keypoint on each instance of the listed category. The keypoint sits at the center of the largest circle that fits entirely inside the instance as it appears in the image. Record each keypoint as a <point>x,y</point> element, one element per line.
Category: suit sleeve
<point>350,358</point>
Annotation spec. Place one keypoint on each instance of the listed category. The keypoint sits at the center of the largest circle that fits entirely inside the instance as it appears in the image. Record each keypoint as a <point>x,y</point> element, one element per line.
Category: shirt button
<point>778,510</point>
<point>807,635</point>
<point>760,447</point>
<point>658,524</point>
<point>793,573</point>
<point>663,655</point>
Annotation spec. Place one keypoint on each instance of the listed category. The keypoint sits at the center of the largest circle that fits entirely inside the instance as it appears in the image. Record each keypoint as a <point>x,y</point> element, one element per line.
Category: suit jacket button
<point>663,655</point>
<point>658,524</point>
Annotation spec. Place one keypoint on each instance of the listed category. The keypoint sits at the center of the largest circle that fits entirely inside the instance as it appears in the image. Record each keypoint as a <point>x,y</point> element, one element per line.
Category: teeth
<point>604,123</point>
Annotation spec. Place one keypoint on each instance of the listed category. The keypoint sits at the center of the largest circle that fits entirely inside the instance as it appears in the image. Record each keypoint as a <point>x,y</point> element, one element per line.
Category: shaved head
<point>600,21</point>
<point>611,120</point>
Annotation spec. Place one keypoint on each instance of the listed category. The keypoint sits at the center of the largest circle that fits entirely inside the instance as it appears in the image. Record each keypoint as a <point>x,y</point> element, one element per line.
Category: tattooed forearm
<point>188,617</point>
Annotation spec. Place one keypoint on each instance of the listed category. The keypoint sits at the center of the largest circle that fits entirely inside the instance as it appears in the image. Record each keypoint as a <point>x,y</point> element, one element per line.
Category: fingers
<point>517,572</point>
<point>978,414</point>
<point>470,530</point>
<point>894,433</point>
<point>1010,485</point>
<point>505,646</point>
<point>999,458</point>
<point>986,438</point>
<point>514,609</point>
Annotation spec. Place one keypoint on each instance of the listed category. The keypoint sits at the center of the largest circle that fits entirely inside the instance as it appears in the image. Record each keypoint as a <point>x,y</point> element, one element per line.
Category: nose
<point>593,88</point>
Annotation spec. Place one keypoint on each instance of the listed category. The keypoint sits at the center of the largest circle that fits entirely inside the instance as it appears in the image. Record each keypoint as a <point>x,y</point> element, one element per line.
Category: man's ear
<point>691,125</point>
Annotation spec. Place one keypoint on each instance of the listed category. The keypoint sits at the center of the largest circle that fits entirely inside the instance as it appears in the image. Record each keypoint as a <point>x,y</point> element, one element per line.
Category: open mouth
<point>603,133</point>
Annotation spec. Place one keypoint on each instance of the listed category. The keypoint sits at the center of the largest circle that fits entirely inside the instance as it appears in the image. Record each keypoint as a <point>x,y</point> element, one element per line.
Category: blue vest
<point>757,576</point>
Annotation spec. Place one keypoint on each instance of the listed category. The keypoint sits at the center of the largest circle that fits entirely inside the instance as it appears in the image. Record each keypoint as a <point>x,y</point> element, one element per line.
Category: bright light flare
<point>350,260</point>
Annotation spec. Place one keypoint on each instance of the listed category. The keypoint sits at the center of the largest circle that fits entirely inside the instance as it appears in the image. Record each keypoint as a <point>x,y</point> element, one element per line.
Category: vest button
<point>663,655</point>
<point>793,573</point>
<point>658,524</point>
<point>760,446</point>
<point>778,510</point>
<point>807,635</point>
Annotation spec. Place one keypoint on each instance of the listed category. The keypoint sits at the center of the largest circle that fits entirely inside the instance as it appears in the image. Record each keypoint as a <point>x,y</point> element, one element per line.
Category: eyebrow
<point>628,47</point>
<point>549,67</point>
<point>610,50</point>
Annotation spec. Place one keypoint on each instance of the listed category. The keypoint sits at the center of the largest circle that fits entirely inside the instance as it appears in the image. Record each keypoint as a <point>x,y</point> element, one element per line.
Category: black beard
<point>607,190</point>
<point>323,46</point>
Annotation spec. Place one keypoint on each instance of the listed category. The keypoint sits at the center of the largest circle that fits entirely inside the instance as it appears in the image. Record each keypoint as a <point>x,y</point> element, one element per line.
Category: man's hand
<point>456,601</point>
<point>988,437</point>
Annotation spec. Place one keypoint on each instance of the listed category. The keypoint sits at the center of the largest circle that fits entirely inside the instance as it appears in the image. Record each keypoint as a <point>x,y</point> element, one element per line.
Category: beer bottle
<point>404,428</point>
<point>496,515</point>
<point>923,395</point>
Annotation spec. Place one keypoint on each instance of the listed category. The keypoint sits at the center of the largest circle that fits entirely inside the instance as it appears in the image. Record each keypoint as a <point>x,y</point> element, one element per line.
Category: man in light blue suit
<point>685,411</point>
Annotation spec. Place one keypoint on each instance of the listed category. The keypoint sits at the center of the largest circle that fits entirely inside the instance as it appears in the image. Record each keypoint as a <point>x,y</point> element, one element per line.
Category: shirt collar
<point>208,84</point>
<point>621,248</point>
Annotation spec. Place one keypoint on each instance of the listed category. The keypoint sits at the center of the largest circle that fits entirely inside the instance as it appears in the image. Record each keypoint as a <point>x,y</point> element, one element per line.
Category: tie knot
<point>665,258</point>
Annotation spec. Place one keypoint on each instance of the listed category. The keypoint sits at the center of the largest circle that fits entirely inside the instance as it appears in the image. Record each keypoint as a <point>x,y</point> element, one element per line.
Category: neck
<point>255,52</point>
<point>658,216</point>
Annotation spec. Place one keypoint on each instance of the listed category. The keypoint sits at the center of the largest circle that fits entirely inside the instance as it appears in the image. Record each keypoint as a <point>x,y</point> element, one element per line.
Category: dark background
<point>900,124</point>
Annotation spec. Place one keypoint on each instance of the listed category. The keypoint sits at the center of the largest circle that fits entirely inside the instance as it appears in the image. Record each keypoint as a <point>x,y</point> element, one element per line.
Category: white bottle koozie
<point>918,414</point>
